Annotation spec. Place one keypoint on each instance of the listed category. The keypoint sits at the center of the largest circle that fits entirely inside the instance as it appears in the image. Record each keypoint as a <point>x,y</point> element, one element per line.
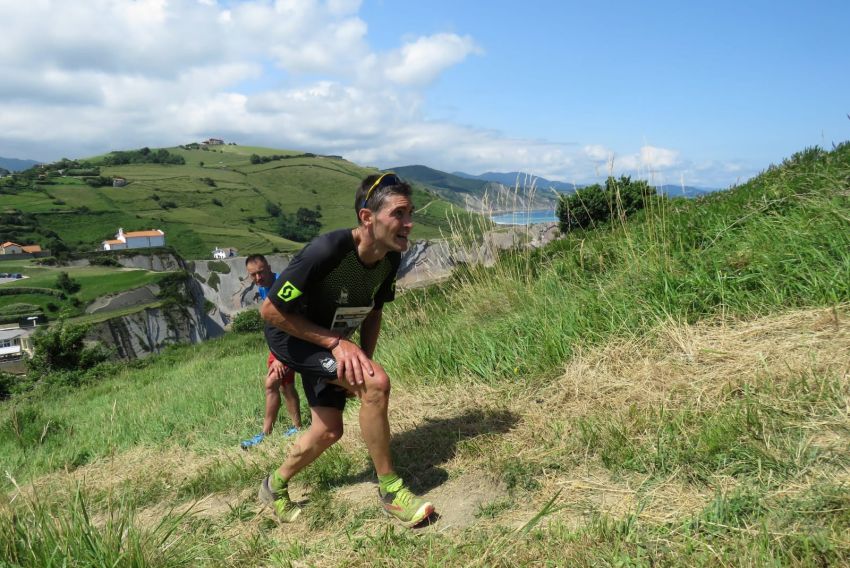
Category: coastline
<point>524,217</point>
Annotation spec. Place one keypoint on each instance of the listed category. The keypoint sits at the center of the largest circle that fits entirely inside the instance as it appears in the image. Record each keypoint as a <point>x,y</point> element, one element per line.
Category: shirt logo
<point>343,297</point>
<point>288,292</point>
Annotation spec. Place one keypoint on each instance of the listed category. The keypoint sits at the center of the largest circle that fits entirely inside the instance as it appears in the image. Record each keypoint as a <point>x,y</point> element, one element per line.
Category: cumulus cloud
<point>421,61</point>
<point>658,158</point>
<point>80,78</point>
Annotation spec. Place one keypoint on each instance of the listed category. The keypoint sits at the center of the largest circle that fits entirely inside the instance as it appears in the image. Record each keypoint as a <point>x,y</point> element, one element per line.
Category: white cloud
<point>658,158</point>
<point>421,61</point>
<point>597,153</point>
<point>80,78</point>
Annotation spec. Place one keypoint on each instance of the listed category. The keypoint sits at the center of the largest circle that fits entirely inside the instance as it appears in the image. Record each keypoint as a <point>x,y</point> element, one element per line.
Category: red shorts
<point>288,374</point>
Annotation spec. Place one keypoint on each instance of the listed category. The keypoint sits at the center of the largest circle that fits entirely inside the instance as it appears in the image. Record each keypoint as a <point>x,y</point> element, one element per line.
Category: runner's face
<point>260,273</point>
<point>394,222</point>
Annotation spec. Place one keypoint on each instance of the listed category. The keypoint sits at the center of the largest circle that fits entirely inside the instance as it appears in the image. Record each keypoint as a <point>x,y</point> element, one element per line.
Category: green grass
<point>103,316</point>
<point>95,282</point>
<point>650,450</point>
<point>176,199</point>
<point>780,241</point>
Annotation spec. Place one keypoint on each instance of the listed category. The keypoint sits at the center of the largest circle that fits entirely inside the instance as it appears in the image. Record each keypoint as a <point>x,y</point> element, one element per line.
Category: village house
<point>135,240</point>
<point>119,182</point>
<point>214,142</point>
<point>14,248</point>
<point>15,342</point>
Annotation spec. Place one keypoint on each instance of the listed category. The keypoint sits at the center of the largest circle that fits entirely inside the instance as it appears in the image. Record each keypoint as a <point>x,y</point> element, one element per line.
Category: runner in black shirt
<point>337,284</point>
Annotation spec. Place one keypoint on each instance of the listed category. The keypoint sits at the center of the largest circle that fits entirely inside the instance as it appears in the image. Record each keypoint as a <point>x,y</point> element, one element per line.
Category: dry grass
<point>451,440</point>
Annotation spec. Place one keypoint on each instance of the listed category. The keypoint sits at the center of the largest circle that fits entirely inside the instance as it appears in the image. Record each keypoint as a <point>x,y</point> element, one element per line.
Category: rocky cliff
<point>150,330</point>
<point>427,262</point>
<point>226,285</point>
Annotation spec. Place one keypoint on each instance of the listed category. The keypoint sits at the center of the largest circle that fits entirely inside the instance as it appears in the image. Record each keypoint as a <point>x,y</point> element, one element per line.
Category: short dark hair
<point>255,258</point>
<point>375,200</point>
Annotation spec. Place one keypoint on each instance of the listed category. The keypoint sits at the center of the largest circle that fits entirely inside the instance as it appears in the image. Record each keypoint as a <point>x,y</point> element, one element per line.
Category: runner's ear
<point>365,216</point>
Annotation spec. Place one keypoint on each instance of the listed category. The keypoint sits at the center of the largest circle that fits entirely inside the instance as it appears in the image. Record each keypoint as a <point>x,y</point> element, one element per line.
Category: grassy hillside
<point>40,292</point>
<point>217,198</point>
<point>667,390</point>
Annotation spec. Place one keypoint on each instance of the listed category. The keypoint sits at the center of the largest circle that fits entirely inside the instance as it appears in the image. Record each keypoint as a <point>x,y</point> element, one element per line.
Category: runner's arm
<point>369,331</point>
<point>352,361</point>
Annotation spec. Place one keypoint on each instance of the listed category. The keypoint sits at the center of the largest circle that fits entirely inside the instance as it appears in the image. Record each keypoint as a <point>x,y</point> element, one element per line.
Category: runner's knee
<point>330,435</point>
<point>272,384</point>
<point>378,385</point>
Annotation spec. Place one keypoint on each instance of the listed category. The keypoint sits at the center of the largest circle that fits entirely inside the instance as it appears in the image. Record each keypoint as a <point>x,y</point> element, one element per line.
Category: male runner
<point>279,377</point>
<point>337,284</point>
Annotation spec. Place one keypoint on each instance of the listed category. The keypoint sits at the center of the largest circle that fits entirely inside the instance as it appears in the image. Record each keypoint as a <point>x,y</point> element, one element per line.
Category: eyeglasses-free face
<point>385,180</point>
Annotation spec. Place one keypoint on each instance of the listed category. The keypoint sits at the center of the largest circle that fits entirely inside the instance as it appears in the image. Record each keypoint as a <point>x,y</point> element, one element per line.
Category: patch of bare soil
<point>458,501</point>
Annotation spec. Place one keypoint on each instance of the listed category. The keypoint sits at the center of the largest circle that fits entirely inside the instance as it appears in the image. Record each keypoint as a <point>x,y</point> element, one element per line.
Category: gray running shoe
<point>285,510</point>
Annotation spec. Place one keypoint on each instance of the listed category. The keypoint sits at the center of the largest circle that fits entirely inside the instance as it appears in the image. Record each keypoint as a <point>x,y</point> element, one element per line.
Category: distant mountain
<point>16,165</point>
<point>474,193</point>
<point>442,180</point>
<point>672,190</point>
<point>514,179</point>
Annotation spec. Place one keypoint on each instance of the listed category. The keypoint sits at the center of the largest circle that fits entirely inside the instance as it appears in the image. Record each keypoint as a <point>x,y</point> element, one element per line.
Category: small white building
<point>15,343</point>
<point>221,253</point>
<point>135,240</point>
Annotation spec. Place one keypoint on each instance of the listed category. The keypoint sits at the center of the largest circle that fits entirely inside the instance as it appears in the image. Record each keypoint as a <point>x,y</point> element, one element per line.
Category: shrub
<point>173,288</point>
<point>273,209</point>
<point>247,321</point>
<point>143,156</point>
<point>301,227</point>
<point>219,266</point>
<point>7,385</point>
<point>213,281</point>
<point>595,205</point>
<point>103,260</point>
<point>66,283</point>
<point>30,290</point>
<point>62,349</point>
<point>17,311</point>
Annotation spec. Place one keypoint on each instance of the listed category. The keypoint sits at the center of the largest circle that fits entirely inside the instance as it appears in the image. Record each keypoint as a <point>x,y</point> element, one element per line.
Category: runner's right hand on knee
<point>352,364</point>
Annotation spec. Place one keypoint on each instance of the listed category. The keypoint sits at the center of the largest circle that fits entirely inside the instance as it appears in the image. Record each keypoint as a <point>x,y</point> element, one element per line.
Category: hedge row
<point>27,290</point>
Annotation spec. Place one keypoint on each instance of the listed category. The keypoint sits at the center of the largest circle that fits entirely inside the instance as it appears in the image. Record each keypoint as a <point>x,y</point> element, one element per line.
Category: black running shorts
<point>317,367</point>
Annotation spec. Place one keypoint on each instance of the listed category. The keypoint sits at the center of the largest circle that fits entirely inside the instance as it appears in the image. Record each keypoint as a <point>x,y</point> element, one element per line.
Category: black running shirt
<point>328,284</point>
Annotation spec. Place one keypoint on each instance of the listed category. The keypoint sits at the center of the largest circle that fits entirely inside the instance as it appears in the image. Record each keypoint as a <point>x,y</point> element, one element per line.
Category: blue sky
<point>707,94</point>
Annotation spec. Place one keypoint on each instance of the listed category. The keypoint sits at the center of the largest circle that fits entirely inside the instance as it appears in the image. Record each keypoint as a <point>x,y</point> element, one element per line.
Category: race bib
<point>347,320</point>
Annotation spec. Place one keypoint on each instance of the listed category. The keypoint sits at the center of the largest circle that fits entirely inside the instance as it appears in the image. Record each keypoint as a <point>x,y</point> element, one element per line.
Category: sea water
<point>525,217</point>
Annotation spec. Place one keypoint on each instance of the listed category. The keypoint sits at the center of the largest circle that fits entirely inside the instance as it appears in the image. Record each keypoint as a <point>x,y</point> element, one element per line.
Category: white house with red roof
<point>135,240</point>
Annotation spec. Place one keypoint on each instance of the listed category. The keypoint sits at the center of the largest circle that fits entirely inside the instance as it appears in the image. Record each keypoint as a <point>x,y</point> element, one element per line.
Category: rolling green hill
<point>218,197</point>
